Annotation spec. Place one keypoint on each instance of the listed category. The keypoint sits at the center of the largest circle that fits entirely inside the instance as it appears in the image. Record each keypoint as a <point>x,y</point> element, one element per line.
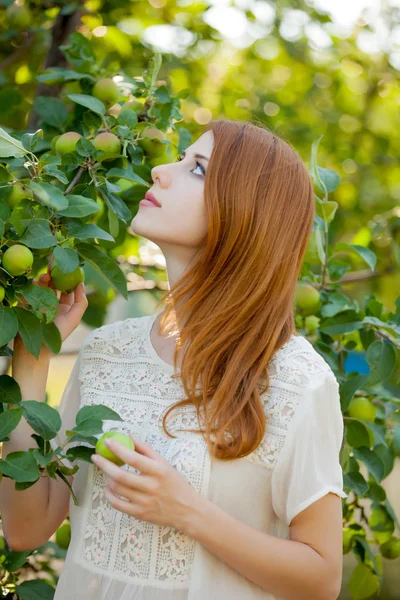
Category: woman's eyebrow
<point>183,154</point>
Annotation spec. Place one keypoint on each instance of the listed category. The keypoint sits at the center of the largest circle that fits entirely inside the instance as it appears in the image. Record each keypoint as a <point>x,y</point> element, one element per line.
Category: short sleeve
<point>308,466</point>
<point>69,404</point>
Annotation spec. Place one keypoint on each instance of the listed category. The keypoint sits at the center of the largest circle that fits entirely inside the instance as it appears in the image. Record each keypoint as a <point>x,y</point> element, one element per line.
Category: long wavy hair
<point>236,301</point>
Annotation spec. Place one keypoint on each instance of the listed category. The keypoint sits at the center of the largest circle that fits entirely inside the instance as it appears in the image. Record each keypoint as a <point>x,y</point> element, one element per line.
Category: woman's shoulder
<point>298,363</point>
<point>117,330</point>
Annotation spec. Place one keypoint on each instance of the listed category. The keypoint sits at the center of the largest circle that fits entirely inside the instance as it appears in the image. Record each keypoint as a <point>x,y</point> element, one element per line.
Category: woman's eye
<point>198,165</point>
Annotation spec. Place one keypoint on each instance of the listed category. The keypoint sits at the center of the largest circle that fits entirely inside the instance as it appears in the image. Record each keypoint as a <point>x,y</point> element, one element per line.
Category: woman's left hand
<point>159,494</point>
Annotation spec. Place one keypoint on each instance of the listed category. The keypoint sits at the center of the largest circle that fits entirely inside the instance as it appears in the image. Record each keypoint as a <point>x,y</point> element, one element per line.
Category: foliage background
<point>285,63</point>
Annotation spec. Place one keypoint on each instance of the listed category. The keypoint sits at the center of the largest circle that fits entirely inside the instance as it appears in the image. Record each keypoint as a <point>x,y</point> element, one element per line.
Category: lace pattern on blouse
<point>117,370</point>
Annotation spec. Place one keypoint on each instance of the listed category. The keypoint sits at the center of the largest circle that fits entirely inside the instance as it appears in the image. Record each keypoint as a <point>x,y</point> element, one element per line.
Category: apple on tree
<point>17,260</point>
<point>307,298</point>
<point>108,143</point>
<point>67,282</point>
<point>18,192</point>
<point>106,90</point>
<point>67,142</point>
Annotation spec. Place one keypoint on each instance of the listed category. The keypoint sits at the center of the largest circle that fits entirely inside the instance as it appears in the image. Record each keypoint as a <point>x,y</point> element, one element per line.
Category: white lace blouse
<point>113,556</point>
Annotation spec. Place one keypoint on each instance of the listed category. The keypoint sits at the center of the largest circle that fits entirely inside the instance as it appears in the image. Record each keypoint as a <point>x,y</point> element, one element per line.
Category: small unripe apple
<point>18,16</point>
<point>135,105</point>
<point>67,142</point>
<point>17,260</point>
<point>63,536</point>
<point>312,323</point>
<point>307,298</point>
<point>106,90</point>
<point>108,143</point>
<point>2,293</point>
<point>121,438</point>
<point>18,192</point>
<point>66,282</point>
<point>151,143</point>
<point>362,408</point>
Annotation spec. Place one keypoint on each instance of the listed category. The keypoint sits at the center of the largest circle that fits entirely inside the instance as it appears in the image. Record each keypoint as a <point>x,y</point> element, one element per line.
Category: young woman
<point>233,491</point>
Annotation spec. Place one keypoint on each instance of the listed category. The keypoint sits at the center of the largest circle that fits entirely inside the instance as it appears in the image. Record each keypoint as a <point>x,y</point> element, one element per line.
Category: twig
<point>63,26</point>
<point>75,180</point>
<point>18,53</point>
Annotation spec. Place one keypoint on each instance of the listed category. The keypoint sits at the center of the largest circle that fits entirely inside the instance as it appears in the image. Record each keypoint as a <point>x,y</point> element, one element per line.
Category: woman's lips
<point>146,202</point>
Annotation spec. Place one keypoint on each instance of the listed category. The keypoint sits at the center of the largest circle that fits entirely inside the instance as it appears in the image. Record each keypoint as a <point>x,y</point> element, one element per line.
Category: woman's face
<point>179,188</point>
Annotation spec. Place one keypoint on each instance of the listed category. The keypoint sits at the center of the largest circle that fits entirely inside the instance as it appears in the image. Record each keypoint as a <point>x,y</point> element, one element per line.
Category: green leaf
<point>88,231</point>
<point>314,171</point>
<point>15,560</point>
<point>116,205</point>
<point>356,433</point>
<point>368,550</point>
<point>20,466</point>
<point>127,173</point>
<point>330,178</point>
<point>40,298</point>
<point>52,337</point>
<point>375,492</point>
<point>9,146</point>
<point>387,458</point>
<point>365,253</point>
<point>66,259</point>
<point>49,195</point>
<point>371,460</point>
<point>355,482</point>
<point>113,223</point>
<point>43,419</point>
<point>378,431</point>
<point>97,411</point>
<point>38,235</point>
<point>10,391</point>
<point>35,589</point>
<point>54,172</point>
<point>29,328</point>
<point>79,206</point>
<point>88,102</point>
<point>344,322</point>
<point>52,111</point>
<point>8,325</point>
<point>9,419</point>
<point>87,428</point>
<point>381,357</point>
<point>105,266</point>
<point>326,210</point>
<point>128,118</point>
<point>80,453</point>
<point>389,328</point>
<point>348,388</point>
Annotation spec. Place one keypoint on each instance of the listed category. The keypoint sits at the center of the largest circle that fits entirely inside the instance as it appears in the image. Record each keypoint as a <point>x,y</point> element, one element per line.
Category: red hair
<point>236,301</point>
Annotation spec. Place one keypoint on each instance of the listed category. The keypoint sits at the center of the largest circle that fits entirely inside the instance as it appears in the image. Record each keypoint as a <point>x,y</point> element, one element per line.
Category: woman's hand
<point>71,307</point>
<point>159,494</point>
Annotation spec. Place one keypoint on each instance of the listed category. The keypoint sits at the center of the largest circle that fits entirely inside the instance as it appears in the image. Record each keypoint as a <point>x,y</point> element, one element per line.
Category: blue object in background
<point>356,361</point>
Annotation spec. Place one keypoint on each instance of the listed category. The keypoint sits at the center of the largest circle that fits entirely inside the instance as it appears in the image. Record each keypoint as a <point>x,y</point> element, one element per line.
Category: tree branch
<point>18,53</point>
<point>63,26</point>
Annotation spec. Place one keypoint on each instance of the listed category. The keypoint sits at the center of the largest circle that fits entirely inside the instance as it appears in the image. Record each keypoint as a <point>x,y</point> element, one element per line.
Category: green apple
<point>2,293</point>
<point>307,298</point>
<point>17,260</point>
<point>67,142</point>
<point>391,548</point>
<point>121,438</point>
<point>18,16</point>
<point>67,282</point>
<point>347,539</point>
<point>312,323</point>
<point>63,536</point>
<point>151,143</point>
<point>108,143</point>
<point>379,517</point>
<point>18,192</point>
<point>106,90</point>
<point>362,408</point>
